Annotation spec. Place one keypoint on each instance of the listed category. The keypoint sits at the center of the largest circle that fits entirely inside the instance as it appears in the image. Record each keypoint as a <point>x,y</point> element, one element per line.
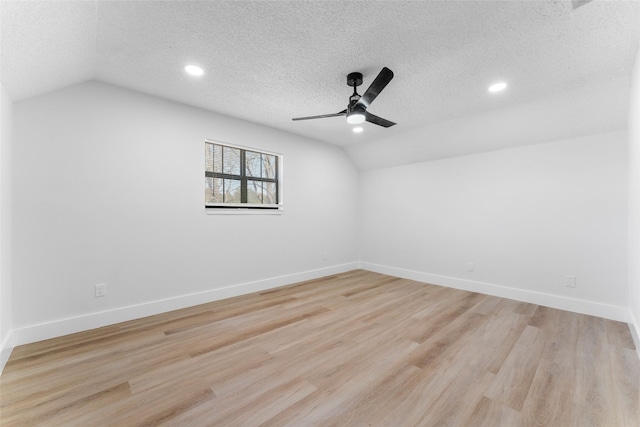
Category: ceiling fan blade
<point>323,116</point>
<point>371,118</point>
<point>383,79</point>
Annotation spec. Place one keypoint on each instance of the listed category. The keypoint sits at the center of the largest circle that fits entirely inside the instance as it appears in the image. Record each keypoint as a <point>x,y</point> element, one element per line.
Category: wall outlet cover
<point>570,281</point>
<point>101,290</point>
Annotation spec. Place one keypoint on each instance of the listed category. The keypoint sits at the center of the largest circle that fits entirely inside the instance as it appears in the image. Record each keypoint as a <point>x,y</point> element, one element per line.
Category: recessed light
<point>497,87</point>
<point>194,70</point>
<point>357,129</point>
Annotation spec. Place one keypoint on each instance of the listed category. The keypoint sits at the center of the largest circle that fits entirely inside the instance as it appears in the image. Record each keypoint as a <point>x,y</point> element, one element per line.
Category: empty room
<point>320,213</point>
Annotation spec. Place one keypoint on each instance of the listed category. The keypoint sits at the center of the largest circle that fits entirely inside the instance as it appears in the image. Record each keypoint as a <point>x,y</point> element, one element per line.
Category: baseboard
<point>634,327</point>
<point>606,311</point>
<point>60,327</point>
<point>6,347</point>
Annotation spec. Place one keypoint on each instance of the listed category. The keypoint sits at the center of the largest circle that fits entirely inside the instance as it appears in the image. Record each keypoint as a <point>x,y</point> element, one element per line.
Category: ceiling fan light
<point>356,117</point>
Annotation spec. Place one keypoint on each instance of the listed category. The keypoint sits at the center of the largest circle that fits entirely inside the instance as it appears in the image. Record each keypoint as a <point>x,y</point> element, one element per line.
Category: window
<point>238,177</point>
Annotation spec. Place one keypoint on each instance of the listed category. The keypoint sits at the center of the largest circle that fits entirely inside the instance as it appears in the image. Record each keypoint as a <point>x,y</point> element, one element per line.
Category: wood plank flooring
<point>355,349</point>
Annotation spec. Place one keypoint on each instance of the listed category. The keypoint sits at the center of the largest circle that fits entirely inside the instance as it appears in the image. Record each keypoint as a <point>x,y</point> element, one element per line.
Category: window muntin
<point>239,177</point>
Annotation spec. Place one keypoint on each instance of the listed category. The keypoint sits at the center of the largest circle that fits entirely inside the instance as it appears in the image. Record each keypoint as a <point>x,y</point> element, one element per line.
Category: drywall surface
<point>109,189</point>
<point>525,217</point>
<point>6,113</point>
<point>634,199</point>
<point>555,117</point>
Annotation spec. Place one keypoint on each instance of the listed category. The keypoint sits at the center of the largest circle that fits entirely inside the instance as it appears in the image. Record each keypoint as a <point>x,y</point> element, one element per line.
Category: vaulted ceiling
<point>269,61</point>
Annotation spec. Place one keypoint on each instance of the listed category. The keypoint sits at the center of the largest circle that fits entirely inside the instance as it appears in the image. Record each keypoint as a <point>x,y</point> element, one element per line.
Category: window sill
<point>242,211</point>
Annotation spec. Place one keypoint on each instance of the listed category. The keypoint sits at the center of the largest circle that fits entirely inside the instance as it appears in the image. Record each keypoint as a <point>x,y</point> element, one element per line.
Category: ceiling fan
<point>356,111</point>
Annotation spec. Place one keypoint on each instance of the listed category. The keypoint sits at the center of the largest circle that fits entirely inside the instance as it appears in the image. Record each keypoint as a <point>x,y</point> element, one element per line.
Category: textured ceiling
<point>269,61</point>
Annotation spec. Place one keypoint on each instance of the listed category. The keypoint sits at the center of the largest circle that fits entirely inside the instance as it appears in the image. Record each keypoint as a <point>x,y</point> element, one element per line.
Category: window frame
<point>244,178</point>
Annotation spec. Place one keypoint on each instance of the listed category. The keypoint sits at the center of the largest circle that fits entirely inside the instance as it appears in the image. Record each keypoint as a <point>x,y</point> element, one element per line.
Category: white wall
<point>6,121</point>
<point>108,188</point>
<point>634,200</point>
<point>526,217</point>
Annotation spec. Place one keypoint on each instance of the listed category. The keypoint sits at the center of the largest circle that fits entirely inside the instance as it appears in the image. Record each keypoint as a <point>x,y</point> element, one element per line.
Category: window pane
<point>231,161</point>
<point>213,190</point>
<point>239,176</point>
<point>231,191</point>
<point>268,166</point>
<point>253,164</point>
<point>269,195</point>
<point>254,192</point>
<point>208,157</point>
<point>217,158</point>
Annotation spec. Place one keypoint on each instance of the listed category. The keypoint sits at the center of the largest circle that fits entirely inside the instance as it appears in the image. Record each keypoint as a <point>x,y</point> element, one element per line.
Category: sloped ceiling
<point>270,61</point>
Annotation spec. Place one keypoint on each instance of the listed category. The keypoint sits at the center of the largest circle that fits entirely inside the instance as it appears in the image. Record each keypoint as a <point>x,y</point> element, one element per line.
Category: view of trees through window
<point>239,176</point>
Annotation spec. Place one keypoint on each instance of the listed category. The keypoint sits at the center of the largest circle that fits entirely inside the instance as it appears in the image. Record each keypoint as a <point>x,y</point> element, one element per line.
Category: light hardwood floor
<point>355,349</point>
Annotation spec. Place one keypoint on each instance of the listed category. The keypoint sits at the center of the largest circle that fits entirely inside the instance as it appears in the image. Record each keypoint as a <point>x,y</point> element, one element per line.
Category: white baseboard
<point>6,347</point>
<point>621,314</point>
<point>60,327</point>
<point>634,327</point>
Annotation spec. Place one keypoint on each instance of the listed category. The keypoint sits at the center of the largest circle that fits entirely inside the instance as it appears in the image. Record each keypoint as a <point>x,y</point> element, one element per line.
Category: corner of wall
<point>633,204</point>
<point>6,347</point>
<point>634,328</point>
<point>6,299</point>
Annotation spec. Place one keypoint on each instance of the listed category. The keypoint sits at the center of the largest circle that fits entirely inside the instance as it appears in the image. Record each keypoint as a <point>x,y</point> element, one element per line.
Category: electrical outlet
<point>324,256</point>
<point>101,290</point>
<point>470,266</point>
<point>570,281</point>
